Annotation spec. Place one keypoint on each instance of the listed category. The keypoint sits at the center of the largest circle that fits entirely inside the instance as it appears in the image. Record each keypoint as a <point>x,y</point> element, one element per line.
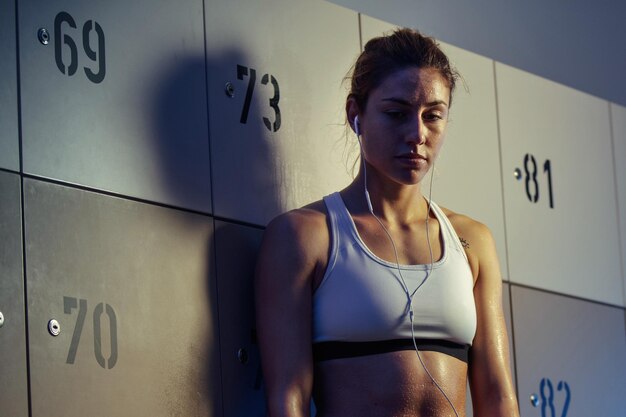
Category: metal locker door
<point>116,98</point>
<point>571,355</point>
<point>467,173</point>
<point>276,103</point>
<point>129,290</point>
<point>618,118</point>
<point>9,147</point>
<point>236,248</point>
<point>560,206</point>
<point>13,378</point>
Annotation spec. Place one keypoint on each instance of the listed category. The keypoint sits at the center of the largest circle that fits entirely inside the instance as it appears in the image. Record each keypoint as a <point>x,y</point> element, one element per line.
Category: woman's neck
<point>392,202</point>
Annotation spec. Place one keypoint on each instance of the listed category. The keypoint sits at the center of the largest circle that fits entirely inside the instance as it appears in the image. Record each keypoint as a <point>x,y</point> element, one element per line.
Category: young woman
<point>375,301</point>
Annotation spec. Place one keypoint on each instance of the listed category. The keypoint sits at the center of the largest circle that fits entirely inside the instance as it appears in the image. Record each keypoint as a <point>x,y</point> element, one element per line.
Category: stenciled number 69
<point>63,39</point>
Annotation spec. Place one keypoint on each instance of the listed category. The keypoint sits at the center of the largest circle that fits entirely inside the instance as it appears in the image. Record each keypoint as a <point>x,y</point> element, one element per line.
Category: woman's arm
<point>489,372</point>
<point>288,260</point>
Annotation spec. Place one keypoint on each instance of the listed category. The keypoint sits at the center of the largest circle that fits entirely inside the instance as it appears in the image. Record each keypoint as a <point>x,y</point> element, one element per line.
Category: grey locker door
<point>276,138</point>
<point>116,100</point>
<point>13,374</point>
<point>571,355</point>
<point>132,288</point>
<point>236,248</point>
<point>9,148</point>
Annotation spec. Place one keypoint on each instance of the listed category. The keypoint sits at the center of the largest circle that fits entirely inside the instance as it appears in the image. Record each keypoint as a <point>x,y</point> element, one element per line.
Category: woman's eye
<point>433,116</point>
<point>395,114</point>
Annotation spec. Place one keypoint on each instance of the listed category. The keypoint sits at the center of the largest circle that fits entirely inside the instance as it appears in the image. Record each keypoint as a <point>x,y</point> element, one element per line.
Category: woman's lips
<point>411,155</point>
<point>412,159</point>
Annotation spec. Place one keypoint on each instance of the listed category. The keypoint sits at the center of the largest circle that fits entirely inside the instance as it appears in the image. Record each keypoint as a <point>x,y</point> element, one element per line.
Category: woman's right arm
<point>291,255</point>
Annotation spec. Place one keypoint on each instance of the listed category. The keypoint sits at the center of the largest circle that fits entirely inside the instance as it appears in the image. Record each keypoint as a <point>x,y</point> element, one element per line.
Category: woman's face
<point>404,123</point>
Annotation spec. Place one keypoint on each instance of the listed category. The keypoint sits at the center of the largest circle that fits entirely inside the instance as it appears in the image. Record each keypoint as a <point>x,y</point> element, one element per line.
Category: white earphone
<point>408,293</point>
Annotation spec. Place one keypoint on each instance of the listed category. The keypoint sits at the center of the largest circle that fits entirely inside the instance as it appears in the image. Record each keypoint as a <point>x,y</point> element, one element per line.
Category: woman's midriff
<point>391,384</point>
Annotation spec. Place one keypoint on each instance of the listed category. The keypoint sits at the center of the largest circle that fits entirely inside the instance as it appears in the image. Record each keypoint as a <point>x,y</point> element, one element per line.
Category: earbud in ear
<point>356,126</point>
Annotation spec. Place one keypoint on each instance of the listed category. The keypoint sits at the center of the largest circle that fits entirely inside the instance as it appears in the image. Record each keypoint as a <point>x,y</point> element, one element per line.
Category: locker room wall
<point>574,43</point>
<point>143,148</point>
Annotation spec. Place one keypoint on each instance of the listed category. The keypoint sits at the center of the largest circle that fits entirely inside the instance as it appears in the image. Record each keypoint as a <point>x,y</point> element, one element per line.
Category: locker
<point>559,188</point>
<point>618,118</point>
<point>131,290</point>
<point>571,355</point>
<point>116,100</point>
<point>236,248</point>
<point>9,147</point>
<point>276,103</point>
<point>13,378</point>
<point>467,172</point>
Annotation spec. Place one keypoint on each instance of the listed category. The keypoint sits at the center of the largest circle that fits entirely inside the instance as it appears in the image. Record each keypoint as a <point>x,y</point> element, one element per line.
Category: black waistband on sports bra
<point>323,351</point>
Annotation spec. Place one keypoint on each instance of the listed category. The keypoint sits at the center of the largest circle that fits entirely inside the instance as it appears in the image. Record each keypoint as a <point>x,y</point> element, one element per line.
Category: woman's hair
<point>401,49</point>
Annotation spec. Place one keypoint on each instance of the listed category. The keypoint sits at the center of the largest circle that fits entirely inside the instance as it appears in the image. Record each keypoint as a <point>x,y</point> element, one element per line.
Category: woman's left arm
<point>490,379</point>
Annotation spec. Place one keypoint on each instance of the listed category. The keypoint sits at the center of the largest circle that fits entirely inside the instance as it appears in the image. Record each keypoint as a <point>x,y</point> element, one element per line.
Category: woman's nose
<point>417,134</point>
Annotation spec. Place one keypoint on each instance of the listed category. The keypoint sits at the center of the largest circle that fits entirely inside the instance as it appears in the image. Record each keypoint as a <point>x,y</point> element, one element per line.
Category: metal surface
<point>534,400</point>
<point>284,149</point>
<point>570,353</point>
<point>9,148</point>
<point>133,286</point>
<point>43,36</point>
<point>242,355</point>
<point>229,89</point>
<point>618,117</point>
<point>236,249</point>
<point>468,163</point>
<point>54,328</point>
<point>563,148</point>
<point>13,371</point>
<point>520,34</point>
<point>124,94</point>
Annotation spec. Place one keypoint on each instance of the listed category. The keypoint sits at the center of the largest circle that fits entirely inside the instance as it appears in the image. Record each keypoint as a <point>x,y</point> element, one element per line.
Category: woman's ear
<point>352,113</point>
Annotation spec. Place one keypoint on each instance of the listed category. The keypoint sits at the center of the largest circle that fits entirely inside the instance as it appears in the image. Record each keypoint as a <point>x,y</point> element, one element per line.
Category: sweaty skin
<point>395,383</point>
<point>403,127</point>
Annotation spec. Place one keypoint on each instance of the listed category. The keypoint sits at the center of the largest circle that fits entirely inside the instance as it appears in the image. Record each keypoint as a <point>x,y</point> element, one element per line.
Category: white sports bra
<point>361,308</point>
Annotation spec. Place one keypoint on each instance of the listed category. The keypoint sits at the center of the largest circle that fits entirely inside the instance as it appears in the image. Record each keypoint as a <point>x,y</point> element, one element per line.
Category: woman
<point>375,301</point>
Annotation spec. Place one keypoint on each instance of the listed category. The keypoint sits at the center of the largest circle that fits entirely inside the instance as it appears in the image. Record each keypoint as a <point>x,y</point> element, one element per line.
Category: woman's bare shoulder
<point>478,243</point>
<point>467,227</point>
<point>302,232</point>
<point>310,218</point>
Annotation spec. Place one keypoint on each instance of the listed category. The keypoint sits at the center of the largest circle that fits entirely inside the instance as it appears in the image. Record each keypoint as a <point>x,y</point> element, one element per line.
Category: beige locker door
<point>467,174</point>
<point>561,213</point>
<point>618,118</point>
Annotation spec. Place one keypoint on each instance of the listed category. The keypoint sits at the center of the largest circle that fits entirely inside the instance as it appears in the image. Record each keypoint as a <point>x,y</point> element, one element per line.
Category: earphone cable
<point>430,249</point>
<point>403,282</point>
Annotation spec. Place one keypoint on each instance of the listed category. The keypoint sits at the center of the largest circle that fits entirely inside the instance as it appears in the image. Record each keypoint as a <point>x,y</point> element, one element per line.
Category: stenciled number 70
<point>71,303</point>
